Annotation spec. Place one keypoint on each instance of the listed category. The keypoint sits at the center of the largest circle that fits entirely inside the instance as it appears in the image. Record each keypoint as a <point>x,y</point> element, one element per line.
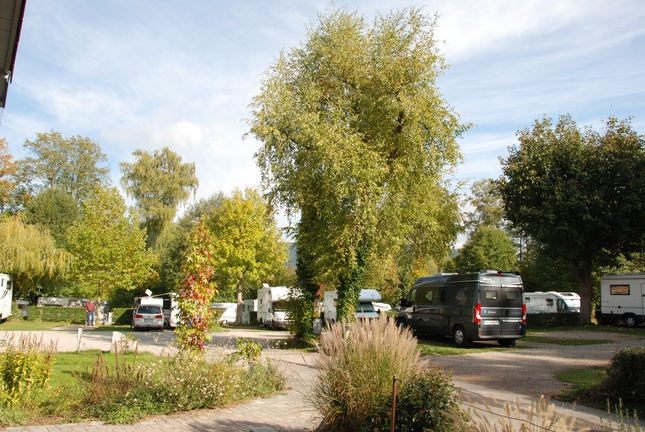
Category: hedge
<point>546,320</point>
<point>71,315</point>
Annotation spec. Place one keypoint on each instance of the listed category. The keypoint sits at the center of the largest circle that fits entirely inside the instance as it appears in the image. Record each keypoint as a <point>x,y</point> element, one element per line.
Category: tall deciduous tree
<point>159,183</point>
<point>353,125</point>
<point>487,248</point>
<point>71,164</point>
<point>488,205</point>
<point>579,193</point>
<point>248,242</point>
<point>8,170</point>
<point>55,210</point>
<point>109,248</point>
<point>30,255</point>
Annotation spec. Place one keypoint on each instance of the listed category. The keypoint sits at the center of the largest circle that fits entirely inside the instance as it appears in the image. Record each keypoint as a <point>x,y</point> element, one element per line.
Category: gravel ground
<point>530,367</point>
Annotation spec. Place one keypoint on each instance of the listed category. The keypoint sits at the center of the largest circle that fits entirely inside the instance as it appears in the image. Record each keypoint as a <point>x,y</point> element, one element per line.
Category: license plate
<point>491,322</point>
<point>148,320</point>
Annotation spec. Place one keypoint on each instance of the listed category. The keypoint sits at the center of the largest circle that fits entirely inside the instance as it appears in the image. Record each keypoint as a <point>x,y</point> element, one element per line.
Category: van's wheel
<point>460,338</point>
<point>505,343</point>
<point>630,321</point>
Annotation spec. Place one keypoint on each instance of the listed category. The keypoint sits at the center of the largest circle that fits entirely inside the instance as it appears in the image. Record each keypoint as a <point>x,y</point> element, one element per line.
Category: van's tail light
<point>523,314</point>
<point>138,316</point>
<point>478,313</point>
<point>158,316</point>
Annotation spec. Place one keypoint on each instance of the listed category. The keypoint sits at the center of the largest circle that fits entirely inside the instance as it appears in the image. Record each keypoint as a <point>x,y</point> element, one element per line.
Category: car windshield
<point>146,309</point>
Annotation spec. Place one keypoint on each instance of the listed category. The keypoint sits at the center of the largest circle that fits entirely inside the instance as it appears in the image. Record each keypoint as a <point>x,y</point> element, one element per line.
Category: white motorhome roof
<point>369,295</point>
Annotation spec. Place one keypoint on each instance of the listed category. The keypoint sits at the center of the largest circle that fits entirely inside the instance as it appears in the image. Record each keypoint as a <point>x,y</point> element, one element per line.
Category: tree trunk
<point>582,273</point>
<point>240,302</point>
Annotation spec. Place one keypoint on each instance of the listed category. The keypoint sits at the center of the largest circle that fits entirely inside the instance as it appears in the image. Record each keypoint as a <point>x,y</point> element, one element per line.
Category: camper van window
<point>428,296</point>
<point>549,302</point>
<point>619,289</point>
<point>562,305</point>
<point>512,295</point>
<point>527,300</point>
<point>490,294</point>
<point>443,296</point>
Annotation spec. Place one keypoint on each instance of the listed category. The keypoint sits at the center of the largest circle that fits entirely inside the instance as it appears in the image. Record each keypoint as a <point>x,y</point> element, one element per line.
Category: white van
<point>168,303</point>
<point>622,298</point>
<point>552,302</point>
<point>6,296</point>
<point>272,306</point>
<point>367,307</point>
<point>227,312</point>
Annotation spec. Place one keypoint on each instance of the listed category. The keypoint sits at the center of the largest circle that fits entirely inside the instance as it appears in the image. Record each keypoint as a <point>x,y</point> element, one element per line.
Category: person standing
<point>90,308</point>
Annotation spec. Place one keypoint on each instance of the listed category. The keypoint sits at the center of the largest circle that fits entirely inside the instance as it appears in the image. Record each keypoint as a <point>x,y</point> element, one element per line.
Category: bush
<point>72,315</point>
<point>357,362</point>
<point>24,366</point>
<point>122,316</point>
<point>626,377</point>
<point>548,320</point>
<point>427,401</point>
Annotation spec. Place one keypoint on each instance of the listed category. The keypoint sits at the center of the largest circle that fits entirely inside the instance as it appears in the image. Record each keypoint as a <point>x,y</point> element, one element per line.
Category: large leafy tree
<point>30,255</point>
<point>579,193</point>
<point>487,248</point>
<point>55,210</point>
<point>356,133</point>
<point>71,164</point>
<point>8,171</point>
<point>487,205</point>
<point>159,183</point>
<point>109,248</point>
<point>248,242</point>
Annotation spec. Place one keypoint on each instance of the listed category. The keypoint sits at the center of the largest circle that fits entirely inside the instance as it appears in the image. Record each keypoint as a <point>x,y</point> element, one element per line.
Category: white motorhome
<point>365,308</point>
<point>272,306</point>
<point>168,303</point>
<point>227,312</point>
<point>250,305</point>
<point>622,298</point>
<point>552,302</point>
<point>6,296</point>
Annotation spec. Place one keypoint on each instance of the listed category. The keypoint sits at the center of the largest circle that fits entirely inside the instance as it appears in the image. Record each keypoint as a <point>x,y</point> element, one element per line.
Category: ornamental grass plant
<point>358,362</point>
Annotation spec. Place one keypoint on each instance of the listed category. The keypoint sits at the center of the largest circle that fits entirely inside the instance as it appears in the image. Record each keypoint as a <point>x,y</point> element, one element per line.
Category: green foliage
<point>197,292</point>
<point>30,255</point>
<point>626,378</point>
<point>578,193</point>
<point>25,367</point>
<point>248,242</point>
<point>247,351</point>
<point>487,248</point>
<point>109,249</point>
<point>122,316</point>
<point>158,182</point>
<point>55,210</point>
<point>130,390</point>
<point>488,205</point>
<point>357,139</point>
<point>71,315</point>
<point>425,401</point>
<point>357,363</point>
<point>70,164</point>
<point>550,320</point>
<point>8,181</point>
<point>300,310</point>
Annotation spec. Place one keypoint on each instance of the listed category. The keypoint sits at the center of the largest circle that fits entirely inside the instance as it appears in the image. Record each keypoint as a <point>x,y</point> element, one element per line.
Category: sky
<point>148,74</point>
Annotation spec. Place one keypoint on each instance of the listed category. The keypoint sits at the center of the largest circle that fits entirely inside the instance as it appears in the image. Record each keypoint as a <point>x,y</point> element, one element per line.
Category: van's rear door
<point>501,305</point>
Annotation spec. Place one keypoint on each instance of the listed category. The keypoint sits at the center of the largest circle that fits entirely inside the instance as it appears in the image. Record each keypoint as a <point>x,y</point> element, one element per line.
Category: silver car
<point>148,316</point>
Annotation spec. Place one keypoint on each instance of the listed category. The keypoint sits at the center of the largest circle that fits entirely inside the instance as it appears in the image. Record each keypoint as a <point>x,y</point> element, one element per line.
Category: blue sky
<point>146,74</point>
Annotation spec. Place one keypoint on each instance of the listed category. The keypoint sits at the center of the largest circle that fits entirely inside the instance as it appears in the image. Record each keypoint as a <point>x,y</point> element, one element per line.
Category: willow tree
<point>30,255</point>
<point>159,183</point>
<point>355,131</point>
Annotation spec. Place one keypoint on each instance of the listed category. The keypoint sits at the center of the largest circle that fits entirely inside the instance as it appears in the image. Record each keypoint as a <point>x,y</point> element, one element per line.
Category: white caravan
<point>168,303</point>
<point>365,308</point>
<point>622,298</point>
<point>6,296</point>
<point>551,302</point>
<point>250,305</point>
<point>272,306</point>
<point>227,312</point>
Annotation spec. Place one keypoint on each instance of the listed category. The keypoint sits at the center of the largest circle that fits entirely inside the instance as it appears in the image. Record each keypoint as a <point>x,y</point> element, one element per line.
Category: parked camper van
<point>226,312</point>
<point>552,302</point>
<point>366,307</point>
<point>469,307</point>
<point>249,311</point>
<point>272,306</point>
<point>168,303</point>
<point>6,296</point>
<point>622,298</point>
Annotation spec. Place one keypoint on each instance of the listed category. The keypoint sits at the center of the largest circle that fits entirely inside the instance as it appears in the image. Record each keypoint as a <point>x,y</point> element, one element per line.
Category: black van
<point>488,305</point>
